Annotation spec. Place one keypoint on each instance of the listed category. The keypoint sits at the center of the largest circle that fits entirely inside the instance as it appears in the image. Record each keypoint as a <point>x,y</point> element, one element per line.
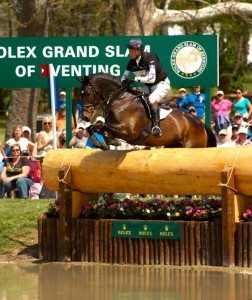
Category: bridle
<point>100,100</point>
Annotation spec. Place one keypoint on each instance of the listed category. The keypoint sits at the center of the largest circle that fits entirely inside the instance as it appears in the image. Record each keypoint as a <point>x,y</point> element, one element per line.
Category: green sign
<point>188,59</point>
<point>146,229</point>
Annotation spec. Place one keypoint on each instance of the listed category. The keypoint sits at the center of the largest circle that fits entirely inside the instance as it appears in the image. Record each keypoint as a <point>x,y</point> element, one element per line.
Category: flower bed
<point>203,209</point>
<point>246,216</point>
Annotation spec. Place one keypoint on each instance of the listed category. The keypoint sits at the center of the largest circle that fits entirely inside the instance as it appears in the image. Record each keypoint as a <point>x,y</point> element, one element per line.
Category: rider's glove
<point>127,81</point>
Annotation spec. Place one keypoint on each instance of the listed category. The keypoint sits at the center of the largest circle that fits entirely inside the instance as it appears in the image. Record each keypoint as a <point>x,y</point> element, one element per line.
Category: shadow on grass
<point>30,251</point>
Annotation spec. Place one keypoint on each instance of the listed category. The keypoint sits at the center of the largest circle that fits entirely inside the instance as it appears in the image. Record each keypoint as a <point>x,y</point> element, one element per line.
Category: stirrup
<point>156,131</point>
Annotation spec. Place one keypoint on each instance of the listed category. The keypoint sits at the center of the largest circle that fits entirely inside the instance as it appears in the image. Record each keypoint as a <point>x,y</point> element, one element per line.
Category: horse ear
<point>85,79</point>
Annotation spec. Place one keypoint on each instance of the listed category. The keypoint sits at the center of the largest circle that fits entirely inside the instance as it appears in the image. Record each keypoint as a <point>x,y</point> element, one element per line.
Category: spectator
<point>26,146</point>
<point>62,139</point>
<point>197,99</point>
<point>242,137</point>
<point>79,140</point>
<point>15,174</point>
<point>235,129</point>
<point>45,137</point>
<point>221,108</point>
<point>180,102</point>
<point>223,139</point>
<point>62,100</point>
<point>3,157</point>
<point>192,111</point>
<point>61,119</point>
<point>96,138</point>
<point>26,133</point>
<point>242,105</point>
<point>238,120</point>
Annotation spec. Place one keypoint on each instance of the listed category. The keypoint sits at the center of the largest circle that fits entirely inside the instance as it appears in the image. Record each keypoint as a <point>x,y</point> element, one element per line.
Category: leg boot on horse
<point>155,113</point>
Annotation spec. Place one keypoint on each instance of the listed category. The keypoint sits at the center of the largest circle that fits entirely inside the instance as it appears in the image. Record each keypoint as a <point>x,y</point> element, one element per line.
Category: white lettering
<point>30,70</point>
<point>31,52</point>
<point>79,51</point>
<point>3,52</point>
<point>79,70</point>
<point>20,71</point>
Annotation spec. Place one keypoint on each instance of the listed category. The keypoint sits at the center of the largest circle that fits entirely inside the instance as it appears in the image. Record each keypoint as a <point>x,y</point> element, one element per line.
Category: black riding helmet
<point>135,44</point>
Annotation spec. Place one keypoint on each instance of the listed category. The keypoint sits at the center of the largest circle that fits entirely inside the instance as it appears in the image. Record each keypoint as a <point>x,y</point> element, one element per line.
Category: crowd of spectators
<point>21,158</point>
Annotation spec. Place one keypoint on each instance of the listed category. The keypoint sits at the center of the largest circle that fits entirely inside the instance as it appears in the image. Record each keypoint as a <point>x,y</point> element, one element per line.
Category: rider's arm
<point>150,76</point>
<point>125,75</point>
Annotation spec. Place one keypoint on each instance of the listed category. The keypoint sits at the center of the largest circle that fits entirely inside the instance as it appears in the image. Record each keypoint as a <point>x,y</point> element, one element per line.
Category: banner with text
<point>142,229</point>
<point>188,59</point>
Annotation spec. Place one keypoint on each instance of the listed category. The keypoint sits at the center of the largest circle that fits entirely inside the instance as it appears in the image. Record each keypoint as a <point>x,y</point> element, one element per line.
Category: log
<point>158,171</point>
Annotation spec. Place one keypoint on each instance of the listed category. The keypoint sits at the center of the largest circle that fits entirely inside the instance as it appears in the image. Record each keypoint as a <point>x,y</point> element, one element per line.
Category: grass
<point>18,224</point>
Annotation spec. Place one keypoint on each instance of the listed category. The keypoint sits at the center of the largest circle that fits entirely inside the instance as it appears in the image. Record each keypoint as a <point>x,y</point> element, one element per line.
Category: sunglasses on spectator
<point>238,92</point>
<point>47,123</point>
<point>15,150</point>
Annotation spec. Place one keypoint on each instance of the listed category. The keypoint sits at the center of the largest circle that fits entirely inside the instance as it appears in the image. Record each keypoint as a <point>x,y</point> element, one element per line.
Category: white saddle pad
<point>164,113</point>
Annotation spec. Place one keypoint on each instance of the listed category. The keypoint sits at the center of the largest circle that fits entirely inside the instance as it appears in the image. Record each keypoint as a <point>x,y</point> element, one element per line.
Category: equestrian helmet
<point>135,44</point>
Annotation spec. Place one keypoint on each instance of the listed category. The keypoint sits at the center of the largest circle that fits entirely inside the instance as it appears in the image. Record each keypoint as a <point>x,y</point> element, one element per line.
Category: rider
<point>148,70</point>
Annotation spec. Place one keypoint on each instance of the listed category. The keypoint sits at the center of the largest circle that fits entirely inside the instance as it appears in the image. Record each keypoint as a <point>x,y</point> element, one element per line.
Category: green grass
<point>18,224</point>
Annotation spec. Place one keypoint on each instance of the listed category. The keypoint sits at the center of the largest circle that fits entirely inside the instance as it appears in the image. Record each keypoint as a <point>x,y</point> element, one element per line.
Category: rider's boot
<point>156,130</point>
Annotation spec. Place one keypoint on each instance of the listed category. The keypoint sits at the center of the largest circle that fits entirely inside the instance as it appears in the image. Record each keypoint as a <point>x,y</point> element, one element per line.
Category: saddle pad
<point>164,113</point>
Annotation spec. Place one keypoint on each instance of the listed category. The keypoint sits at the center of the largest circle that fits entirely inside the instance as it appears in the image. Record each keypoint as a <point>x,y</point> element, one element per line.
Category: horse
<point>127,116</point>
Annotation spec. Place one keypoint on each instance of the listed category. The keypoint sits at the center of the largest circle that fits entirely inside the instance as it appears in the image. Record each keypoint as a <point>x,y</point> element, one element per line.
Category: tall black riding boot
<point>156,130</point>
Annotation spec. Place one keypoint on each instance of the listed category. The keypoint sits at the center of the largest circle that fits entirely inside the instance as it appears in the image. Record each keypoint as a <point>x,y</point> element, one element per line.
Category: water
<point>104,282</point>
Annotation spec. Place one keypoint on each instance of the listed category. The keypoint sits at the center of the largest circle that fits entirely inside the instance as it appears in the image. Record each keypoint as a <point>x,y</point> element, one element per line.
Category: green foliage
<point>18,223</point>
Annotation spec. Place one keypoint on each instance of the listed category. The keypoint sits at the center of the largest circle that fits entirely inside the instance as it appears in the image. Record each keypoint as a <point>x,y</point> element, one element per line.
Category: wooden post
<point>228,218</point>
<point>65,215</point>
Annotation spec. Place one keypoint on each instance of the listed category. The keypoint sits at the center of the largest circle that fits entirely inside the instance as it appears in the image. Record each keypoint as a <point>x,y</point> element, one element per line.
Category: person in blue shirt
<point>96,138</point>
<point>180,102</point>
<point>197,99</point>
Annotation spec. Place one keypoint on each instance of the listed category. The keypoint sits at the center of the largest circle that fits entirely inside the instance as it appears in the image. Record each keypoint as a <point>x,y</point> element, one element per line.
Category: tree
<point>109,17</point>
<point>31,18</point>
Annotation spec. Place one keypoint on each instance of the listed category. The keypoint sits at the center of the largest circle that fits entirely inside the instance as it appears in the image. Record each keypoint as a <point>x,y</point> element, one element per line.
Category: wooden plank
<point>228,218</point>
<point>110,248</point>
<point>48,240</point>
<point>250,245</point>
<point>86,241</point>
<point>198,253</point>
<point>187,243</point>
<point>96,240</point>
<point>245,244</point>
<point>41,235</point>
<point>191,244</point>
<point>182,244</point>
<point>218,225</point>
<point>239,245</point>
<point>208,244</point>
<point>101,241</point>
<point>131,251</point>
<point>54,238</point>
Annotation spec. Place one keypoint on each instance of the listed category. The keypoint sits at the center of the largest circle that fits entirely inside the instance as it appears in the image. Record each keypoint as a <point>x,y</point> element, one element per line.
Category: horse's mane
<point>112,78</point>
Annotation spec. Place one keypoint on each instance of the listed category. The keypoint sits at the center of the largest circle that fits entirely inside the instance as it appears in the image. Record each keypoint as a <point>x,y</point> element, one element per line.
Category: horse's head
<point>97,90</point>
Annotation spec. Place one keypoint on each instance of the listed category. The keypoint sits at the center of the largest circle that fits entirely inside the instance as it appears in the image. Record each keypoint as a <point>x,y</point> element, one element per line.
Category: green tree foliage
<point>87,18</point>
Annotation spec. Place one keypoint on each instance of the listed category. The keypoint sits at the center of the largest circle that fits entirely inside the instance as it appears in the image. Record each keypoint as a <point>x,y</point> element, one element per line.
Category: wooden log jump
<point>79,174</point>
<point>159,171</point>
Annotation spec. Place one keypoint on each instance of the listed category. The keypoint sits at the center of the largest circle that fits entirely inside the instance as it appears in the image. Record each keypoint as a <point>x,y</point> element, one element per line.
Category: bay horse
<point>127,118</point>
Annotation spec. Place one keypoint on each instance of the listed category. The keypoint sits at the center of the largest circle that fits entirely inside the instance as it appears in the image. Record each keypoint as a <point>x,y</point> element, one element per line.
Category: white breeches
<point>158,91</point>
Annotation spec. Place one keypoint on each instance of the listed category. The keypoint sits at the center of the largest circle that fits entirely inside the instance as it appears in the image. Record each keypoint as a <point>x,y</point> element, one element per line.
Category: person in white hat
<point>62,100</point>
<point>80,137</point>
<point>180,102</point>
<point>222,140</point>
<point>243,137</point>
<point>221,108</point>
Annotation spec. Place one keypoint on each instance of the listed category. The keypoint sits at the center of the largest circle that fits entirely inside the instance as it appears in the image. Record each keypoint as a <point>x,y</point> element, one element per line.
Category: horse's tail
<point>211,139</point>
